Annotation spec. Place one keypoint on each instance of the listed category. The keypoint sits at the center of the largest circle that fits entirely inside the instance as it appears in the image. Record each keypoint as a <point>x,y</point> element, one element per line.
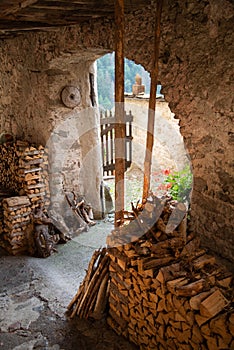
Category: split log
<point>212,305</point>
<point>191,288</point>
<point>195,301</point>
<point>200,262</point>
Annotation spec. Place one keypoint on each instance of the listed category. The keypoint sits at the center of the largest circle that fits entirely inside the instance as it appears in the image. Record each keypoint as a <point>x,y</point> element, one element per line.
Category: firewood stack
<point>17,212</point>
<point>23,172</point>
<point>165,291</point>
<point>3,194</point>
<point>33,173</point>
<point>24,169</point>
<point>8,167</point>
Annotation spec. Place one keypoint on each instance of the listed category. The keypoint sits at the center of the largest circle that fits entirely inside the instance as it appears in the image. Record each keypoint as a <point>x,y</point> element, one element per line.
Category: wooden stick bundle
<point>91,297</point>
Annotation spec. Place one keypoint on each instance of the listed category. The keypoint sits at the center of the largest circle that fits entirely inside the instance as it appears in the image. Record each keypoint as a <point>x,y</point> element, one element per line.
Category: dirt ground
<point>34,294</point>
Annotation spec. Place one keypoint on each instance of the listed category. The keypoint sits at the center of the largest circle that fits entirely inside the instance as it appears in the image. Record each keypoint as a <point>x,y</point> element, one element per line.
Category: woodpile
<point>91,298</point>
<point>3,194</point>
<point>166,292</point>
<point>17,211</point>
<point>33,173</point>
<point>24,175</point>
<point>8,167</point>
<point>24,169</point>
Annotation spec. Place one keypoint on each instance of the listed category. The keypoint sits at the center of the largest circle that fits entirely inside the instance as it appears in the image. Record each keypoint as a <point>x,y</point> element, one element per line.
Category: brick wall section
<point>195,72</point>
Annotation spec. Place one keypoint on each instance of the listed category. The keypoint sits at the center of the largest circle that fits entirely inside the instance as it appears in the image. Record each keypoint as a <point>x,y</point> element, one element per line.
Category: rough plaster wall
<point>31,108</point>
<point>196,72</point>
<point>168,150</point>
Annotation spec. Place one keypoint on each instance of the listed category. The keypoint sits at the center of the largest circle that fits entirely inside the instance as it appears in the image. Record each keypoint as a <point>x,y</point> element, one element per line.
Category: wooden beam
<point>152,104</point>
<point>119,112</point>
<point>71,6</point>
<point>15,6</point>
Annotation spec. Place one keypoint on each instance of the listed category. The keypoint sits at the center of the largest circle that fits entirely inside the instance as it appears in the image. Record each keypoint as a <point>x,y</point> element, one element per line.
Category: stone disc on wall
<point>70,96</point>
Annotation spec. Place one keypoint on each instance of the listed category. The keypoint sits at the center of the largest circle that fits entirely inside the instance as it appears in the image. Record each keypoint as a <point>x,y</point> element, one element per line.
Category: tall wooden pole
<point>152,104</point>
<point>119,112</point>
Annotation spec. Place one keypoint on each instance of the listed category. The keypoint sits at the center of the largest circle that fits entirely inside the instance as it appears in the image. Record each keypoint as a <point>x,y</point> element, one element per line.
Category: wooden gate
<point>107,122</point>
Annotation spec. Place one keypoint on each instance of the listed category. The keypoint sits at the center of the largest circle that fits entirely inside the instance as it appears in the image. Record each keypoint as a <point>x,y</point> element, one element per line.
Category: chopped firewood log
<point>191,289</point>
<point>172,243</point>
<point>213,304</point>
<point>150,263</point>
<point>225,279</point>
<point>170,272</point>
<point>195,301</point>
<point>191,246</point>
<point>203,260</point>
<point>176,217</point>
<point>102,298</point>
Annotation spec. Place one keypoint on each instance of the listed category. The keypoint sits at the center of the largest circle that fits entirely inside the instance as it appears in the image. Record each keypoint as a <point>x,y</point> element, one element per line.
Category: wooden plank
<point>119,113</point>
<point>152,104</point>
<point>17,201</point>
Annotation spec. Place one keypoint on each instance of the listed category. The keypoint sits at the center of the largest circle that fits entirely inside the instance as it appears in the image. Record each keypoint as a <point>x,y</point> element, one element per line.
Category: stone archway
<point>195,71</point>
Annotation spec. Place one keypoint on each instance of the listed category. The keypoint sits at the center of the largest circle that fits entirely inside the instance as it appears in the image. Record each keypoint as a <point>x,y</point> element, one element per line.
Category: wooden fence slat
<point>107,126</point>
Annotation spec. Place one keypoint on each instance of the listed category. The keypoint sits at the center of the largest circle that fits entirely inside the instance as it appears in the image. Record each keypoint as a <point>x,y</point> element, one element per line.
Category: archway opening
<point>171,172</point>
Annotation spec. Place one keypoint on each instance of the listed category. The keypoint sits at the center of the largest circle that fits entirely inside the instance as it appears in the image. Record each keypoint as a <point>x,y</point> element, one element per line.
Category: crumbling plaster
<point>196,72</point>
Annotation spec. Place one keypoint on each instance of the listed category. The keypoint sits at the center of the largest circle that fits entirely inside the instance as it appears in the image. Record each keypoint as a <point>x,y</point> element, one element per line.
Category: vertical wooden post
<point>119,112</point>
<point>152,104</point>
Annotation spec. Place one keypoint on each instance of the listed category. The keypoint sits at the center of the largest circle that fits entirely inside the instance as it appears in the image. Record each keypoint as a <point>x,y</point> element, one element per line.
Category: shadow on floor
<point>34,295</point>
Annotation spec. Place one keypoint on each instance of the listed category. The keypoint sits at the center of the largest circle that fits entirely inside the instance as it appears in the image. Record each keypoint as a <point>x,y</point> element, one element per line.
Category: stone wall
<point>196,60</point>
<point>197,82</point>
<point>31,109</point>
<point>168,151</point>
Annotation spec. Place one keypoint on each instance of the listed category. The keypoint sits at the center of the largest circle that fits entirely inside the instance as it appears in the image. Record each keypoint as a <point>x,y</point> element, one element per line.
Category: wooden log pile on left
<point>24,180</point>
<point>32,173</point>
<point>17,211</point>
<point>24,170</point>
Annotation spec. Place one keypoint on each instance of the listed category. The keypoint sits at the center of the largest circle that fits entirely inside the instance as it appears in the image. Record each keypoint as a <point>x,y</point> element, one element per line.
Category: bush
<point>180,184</point>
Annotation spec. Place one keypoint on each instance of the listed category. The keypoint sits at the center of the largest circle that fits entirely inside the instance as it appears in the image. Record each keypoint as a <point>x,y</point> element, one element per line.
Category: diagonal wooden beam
<point>119,112</point>
<point>152,104</point>
<point>14,6</point>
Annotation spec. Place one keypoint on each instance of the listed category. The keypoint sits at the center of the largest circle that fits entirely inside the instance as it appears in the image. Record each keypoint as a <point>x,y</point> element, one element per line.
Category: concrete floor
<point>34,294</point>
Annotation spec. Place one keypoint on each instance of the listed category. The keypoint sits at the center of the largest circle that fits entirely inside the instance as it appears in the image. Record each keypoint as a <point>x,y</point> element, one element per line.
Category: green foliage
<point>106,79</point>
<point>180,184</point>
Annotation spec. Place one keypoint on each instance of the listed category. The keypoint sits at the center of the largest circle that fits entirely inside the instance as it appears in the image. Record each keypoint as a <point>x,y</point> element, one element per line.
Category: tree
<point>106,79</point>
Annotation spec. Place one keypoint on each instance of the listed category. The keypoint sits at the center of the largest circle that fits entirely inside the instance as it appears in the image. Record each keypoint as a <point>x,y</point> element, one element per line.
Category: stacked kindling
<point>165,291</point>
<point>33,173</point>
<point>17,212</point>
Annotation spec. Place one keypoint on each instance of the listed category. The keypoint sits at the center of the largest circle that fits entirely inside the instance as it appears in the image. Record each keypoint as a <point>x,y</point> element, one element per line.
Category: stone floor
<point>34,294</point>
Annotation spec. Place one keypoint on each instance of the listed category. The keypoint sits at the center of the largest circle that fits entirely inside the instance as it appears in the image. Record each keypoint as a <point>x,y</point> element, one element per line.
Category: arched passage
<point>194,53</point>
<point>169,154</point>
